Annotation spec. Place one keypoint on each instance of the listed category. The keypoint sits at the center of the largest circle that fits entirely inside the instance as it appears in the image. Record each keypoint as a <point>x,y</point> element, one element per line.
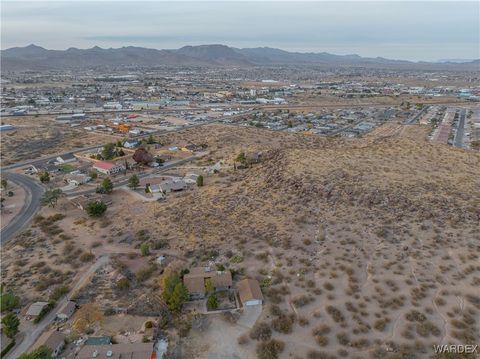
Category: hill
<point>34,57</point>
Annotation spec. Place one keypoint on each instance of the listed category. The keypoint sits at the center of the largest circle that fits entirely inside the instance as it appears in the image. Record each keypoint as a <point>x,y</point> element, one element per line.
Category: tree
<point>209,286</point>
<point>42,352</point>
<point>169,283</point>
<point>4,183</point>
<point>9,301</point>
<point>10,324</point>
<point>107,185</point>
<point>93,174</point>
<point>144,249</point>
<point>96,208</point>
<point>50,197</point>
<point>44,177</point>
<point>179,296</point>
<point>150,139</point>
<point>133,182</point>
<point>142,156</point>
<point>212,302</point>
<point>108,151</point>
<point>200,181</point>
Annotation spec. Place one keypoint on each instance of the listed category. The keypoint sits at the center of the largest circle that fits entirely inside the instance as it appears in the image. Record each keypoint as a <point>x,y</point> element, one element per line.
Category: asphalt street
<point>458,141</point>
<point>34,193</point>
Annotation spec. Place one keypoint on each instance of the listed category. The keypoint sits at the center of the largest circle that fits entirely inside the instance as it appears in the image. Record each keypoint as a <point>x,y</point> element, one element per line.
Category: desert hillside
<point>365,248</point>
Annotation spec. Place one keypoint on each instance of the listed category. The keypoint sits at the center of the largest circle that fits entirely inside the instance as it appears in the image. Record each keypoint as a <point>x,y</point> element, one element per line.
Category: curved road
<point>32,203</point>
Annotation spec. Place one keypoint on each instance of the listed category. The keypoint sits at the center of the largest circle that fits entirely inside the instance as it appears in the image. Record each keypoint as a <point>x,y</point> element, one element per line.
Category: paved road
<point>458,140</point>
<point>32,334</point>
<point>32,202</point>
<point>415,118</point>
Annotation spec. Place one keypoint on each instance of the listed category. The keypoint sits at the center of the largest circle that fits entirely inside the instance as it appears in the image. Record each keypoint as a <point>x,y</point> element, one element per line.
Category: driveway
<point>250,315</point>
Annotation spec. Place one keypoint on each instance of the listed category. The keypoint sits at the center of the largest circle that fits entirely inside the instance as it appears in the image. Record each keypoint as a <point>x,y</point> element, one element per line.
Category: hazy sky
<point>428,30</point>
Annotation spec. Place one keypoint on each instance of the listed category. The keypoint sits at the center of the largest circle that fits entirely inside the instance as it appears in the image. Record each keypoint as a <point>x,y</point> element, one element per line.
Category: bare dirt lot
<point>364,248</point>
<point>39,136</point>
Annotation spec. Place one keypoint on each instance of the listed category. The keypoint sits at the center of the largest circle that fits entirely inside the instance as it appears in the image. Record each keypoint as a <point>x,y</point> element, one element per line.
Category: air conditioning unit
<point>109,353</point>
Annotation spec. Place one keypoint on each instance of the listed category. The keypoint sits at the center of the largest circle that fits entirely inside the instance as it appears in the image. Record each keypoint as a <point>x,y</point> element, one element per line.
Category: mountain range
<point>34,57</point>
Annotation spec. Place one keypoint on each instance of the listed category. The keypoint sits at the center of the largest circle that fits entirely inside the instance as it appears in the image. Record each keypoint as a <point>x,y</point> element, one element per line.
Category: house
<point>130,144</point>
<point>249,292</point>
<point>77,178</point>
<point>67,311</point>
<point>60,160</point>
<point>191,178</point>
<point>173,185</point>
<point>195,280</point>
<point>117,351</point>
<point>53,340</point>
<point>35,309</point>
<point>109,168</point>
<point>30,170</point>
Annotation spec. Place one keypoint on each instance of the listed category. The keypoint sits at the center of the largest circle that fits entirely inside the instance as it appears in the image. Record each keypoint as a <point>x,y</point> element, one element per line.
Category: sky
<point>410,30</point>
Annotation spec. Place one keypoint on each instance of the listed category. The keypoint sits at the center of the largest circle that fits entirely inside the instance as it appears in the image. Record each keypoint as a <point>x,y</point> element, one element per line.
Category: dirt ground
<point>11,206</point>
<point>364,248</point>
<point>39,136</point>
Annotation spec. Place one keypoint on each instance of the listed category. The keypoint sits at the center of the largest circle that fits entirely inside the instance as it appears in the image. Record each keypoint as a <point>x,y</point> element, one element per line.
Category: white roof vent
<point>109,353</point>
<point>95,354</point>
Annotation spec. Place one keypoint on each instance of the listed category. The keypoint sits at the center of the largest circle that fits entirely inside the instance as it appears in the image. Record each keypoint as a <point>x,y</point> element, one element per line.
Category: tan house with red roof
<point>109,168</point>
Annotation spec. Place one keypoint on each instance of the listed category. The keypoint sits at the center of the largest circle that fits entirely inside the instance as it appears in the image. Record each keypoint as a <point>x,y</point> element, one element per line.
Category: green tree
<point>150,139</point>
<point>107,185</point>
<point>44,177</point>
<point>133,182</point>
<point>50,197</point>
<point>209,286</point>
<point>42,352</point>
<point>179,296</point>
<point>4,183</point>
<point>10,324</point>
<point>108,151</point>
<point>200,181</point>
<point>96,208</point>
<point>144,249</point>
<point>9,301</point>
<point>170,282</point>
<point>212,302</point>
<point>93,174</point>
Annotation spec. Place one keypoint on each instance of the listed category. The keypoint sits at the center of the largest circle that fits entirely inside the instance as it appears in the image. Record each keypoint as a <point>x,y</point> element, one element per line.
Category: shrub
<point>87,257</point>
<point>283,323</point>
<point>336,314</point>
<point>123,284</point>
<point>261,331</point>
<point>270,349</point>
<point>59,292</point>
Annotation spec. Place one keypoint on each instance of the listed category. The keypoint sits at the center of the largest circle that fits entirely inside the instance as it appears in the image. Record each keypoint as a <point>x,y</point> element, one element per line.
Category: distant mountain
<point>34,57</point>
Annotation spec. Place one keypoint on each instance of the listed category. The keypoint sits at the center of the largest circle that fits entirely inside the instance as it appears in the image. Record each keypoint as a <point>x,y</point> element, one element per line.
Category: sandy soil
<point>11,205</point>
